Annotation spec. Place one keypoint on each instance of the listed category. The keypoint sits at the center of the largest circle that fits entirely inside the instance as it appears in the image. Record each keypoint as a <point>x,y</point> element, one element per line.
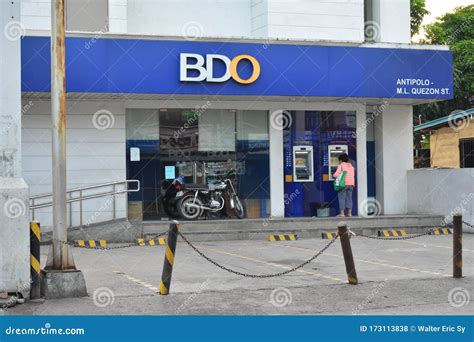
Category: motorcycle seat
<point>196,187</point>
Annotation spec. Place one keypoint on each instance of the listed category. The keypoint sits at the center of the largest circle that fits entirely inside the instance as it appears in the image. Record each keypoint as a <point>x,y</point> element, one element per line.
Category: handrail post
<point>457,246</point>
<point>33,210</point>
<point>113,199</point>
<point>80,208</point>
<point>69,195</point>
<point>347,253</point>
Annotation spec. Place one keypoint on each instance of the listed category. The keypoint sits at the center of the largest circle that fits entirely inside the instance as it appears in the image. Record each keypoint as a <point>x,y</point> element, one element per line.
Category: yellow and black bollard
<point>457,246</point>
<point>169,259</point>
<point>347,252</point>
<point>35,268</point>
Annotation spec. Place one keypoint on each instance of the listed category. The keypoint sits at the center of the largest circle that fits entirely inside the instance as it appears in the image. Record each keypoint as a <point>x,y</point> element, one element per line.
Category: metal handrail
<point>93,187</point>
<point>82,198</point>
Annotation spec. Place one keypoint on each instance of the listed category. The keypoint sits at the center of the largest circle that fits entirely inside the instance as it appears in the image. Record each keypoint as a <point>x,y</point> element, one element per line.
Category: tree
<point>417,12</point>
<point>455,29</point>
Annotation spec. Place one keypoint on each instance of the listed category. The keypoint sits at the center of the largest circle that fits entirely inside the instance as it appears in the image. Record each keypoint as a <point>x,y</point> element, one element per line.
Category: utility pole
<point>58,129</point>
<point>60,279</point>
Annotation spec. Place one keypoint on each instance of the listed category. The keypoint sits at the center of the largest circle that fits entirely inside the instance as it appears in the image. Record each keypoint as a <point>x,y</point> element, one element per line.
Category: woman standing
<point>345,195</point>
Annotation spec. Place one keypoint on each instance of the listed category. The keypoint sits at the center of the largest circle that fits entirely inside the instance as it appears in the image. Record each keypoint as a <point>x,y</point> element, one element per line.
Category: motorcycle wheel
<point>187,210</point>
<point>238,207</point>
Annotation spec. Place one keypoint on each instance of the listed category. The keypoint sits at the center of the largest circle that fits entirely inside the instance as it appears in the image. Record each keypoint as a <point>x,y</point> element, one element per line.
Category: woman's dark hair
<point>344,157</point>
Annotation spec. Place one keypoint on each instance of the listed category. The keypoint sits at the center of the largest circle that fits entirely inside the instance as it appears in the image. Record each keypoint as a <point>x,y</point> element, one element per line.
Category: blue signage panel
<point>106,65</point>
<point>237,328</point>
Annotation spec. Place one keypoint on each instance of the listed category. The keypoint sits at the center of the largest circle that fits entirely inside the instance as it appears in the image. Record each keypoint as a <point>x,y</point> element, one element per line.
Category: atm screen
<point>302,164</point>
<point>335,160</point>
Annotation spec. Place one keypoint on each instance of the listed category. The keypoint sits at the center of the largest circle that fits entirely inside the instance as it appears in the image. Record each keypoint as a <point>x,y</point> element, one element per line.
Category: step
<point>249,229</point>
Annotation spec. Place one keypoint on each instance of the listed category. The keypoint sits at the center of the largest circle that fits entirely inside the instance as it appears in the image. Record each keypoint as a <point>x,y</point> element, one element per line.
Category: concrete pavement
<point>396,277</point>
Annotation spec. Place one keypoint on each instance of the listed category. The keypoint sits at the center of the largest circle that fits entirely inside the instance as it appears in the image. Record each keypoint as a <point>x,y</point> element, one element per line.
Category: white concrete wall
<point>36,15</point>
<point>392,21</point>
<point>441,192</point>
<point>259,18</point>
<point>361,142</point>
<point>277,186</point>
<point>94,156</point>
<point>14,227</point>
<point>341,20</point>
<point>393,157</point>
<point>118,16</point>
<point>190,18</point>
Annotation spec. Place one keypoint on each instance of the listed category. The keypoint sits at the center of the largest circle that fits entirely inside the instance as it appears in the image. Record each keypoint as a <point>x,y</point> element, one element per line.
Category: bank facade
<point>275,95</point>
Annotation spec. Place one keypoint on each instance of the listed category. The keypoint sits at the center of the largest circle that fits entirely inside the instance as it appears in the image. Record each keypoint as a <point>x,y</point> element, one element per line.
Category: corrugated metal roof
<point>453,117</point>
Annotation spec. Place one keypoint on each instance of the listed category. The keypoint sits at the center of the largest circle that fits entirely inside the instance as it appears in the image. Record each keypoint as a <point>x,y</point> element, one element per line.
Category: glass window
<point>467,152</point>
<point>253,158</point>
<point>217,130</point>
<point>88,16</point>
<point>201,145</point>
<point>142,131</point>
<point>322,130</point>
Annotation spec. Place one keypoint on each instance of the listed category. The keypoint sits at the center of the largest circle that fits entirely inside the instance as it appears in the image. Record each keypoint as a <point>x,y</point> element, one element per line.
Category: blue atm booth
<point>312,144</point>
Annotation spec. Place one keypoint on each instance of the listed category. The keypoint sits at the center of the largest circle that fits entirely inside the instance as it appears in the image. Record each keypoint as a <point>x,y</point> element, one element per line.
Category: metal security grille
<point>467,152</point>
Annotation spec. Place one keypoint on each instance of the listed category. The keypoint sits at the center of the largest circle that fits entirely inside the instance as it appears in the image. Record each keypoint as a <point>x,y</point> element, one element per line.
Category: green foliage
<point>417,12</point>
<point>455,29</point>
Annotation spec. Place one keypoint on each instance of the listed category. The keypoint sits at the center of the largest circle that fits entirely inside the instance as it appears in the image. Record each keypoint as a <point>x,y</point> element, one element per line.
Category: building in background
<point>451,140</point>
<point>273,89</point>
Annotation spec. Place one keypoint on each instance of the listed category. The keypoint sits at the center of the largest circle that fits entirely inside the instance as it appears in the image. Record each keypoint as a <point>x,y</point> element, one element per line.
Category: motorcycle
<point>171,193</point>
<point>212,200</point>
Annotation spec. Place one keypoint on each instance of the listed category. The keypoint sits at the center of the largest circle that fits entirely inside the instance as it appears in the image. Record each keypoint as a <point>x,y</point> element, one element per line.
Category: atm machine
<point>334,151</point>
<point>303,164</point>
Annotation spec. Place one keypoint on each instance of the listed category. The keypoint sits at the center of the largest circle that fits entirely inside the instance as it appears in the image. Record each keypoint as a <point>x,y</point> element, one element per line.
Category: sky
<point>440,7</point>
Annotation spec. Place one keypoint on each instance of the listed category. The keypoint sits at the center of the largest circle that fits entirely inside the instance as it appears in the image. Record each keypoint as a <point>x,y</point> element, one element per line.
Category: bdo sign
<point>203,68</point>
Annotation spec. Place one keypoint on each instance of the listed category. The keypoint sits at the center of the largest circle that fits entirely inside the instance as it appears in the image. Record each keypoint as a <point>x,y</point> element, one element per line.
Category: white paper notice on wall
<point>134,154</point>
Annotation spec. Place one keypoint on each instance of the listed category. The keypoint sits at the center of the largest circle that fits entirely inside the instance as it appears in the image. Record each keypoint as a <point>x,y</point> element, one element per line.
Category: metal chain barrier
<point>134,244</point>
<point>248,275</point>
<point>468,224</point>
<point>394,238</point>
